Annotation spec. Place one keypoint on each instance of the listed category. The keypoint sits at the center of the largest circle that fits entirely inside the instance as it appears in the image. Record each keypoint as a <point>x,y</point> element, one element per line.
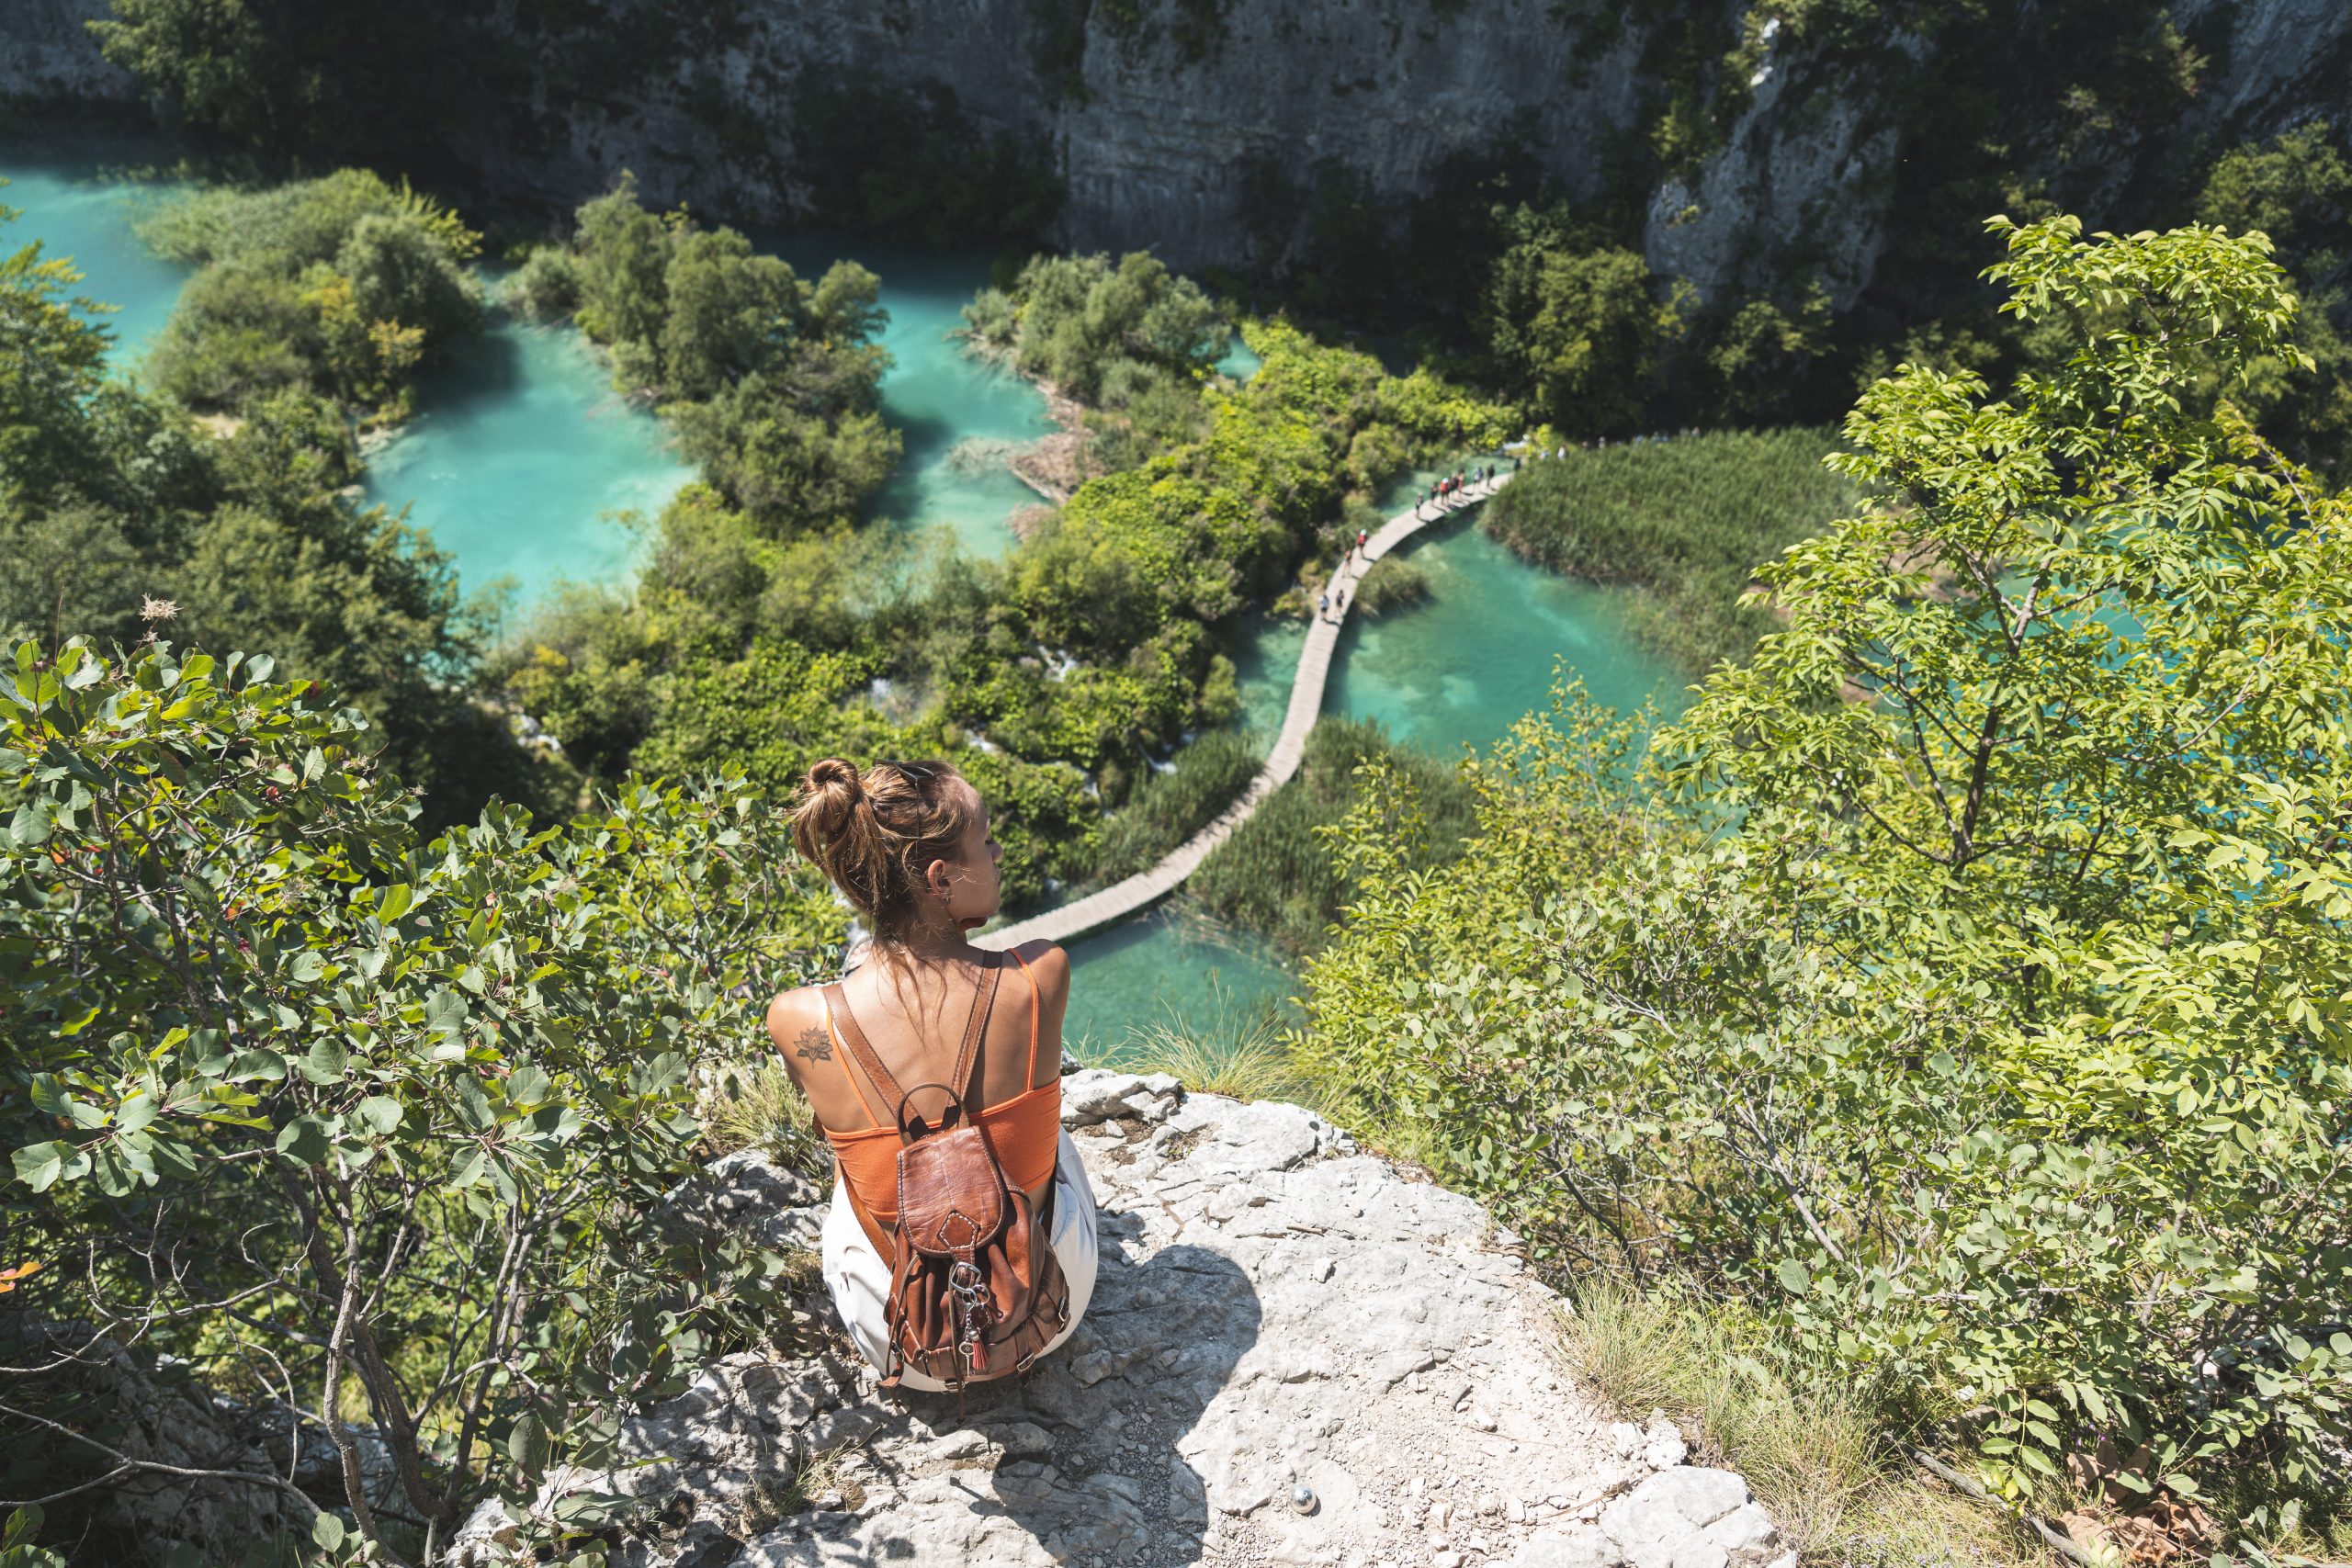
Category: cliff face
<point>46,54</point>
<point>1203,129</point>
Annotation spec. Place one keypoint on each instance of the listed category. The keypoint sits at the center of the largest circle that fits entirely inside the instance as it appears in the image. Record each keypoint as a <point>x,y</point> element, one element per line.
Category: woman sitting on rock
<point>933,1297</point>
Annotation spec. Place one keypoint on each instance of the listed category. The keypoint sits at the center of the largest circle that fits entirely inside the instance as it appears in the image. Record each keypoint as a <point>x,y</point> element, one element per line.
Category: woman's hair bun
<point>834,772</point>
<point>874,833</point>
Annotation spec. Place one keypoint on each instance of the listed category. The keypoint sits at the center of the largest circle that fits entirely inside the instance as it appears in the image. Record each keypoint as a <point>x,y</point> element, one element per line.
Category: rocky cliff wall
<point>46,54</point>
<point>1206,139</point>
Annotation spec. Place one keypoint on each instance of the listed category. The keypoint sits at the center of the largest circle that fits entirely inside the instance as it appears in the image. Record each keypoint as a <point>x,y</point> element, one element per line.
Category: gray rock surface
<point>47,52</point>
<point>1210,145</point>
<point>159,1415</point>
<point>1275,1311</point>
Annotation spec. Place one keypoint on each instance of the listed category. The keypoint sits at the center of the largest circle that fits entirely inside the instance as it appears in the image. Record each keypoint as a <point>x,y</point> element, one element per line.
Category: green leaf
<point>1793,1276</point>
<point>395,901</point>
<point>377,1113</point>
<point>328,1062</point>
<point>305,1140</point>
<point>327,1529</point>
<point>39,1164</point>
<point>29,825</point>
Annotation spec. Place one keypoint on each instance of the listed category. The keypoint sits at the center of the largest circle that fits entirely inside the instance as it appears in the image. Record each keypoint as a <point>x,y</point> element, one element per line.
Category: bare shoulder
<point>793,1015</point>
<point>1047,962</point>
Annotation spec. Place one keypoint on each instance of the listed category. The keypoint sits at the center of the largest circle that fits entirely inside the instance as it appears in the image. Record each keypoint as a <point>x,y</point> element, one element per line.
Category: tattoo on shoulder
<point>814,1046</point>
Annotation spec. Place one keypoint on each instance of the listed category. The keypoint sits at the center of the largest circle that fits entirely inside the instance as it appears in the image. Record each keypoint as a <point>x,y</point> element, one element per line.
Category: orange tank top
<point>1023,1133</point>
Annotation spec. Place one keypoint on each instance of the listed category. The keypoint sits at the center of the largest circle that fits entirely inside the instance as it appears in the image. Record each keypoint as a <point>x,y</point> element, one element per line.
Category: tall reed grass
<point>1167,808</point>
<point>1685,521</point>
<point>1278,876</point>
<point>1230,1047</point>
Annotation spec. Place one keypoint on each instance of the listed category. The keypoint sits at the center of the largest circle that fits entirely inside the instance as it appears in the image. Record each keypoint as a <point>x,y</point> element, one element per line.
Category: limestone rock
<point>1582,1547</point>
<point>158,1413</point>
<point>1274,1311</point>
<point>1659,1523</point>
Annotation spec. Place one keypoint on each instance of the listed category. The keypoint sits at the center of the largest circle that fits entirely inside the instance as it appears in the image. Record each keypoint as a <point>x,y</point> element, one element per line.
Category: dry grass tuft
<point>753,1105</point>
<point>1235,1050</point>
<point>1819,1461</point>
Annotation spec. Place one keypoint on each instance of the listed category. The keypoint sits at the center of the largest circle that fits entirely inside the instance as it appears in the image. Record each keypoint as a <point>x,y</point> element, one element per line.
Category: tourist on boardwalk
<point>1361,537</point>
<point>909,844</point>
<point>1323,604</point>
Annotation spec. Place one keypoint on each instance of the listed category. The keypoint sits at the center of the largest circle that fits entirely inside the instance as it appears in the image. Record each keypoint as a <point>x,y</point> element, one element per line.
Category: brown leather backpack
<point>975,1291</point>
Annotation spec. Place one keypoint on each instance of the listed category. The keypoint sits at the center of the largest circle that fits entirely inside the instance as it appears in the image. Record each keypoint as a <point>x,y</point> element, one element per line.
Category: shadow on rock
<point>1081,1463</point>
<point>1158,1342</point>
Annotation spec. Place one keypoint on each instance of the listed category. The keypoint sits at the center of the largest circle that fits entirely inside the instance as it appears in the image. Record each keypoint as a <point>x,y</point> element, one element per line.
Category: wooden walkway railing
<point>1147,887</point>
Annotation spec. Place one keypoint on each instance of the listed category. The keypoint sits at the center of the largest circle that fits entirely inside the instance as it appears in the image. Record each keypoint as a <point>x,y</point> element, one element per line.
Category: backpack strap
<point>966,1079</point>
<point>845,1024</point>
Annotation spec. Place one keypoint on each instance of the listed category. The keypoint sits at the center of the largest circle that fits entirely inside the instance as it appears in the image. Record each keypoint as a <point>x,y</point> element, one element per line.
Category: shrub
<point>1986,1049</point>
<point>399,272</point>
<point>1072,319</point>
<point>1393,583</point>
<point>241,330</point>
<point>546,287</point>
<point>341,284</point>
<point>300,1098</point>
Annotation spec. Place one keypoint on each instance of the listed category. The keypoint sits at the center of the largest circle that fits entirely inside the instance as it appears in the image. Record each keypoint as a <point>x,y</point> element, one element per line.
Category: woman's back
<point>912,1012</point>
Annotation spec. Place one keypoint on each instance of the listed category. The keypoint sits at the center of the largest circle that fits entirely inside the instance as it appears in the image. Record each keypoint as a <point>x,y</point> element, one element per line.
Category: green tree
<point>624,268</point>
<point>729,313</point>
<point>1992,1042</point>
<point>55,360</point>
<point>1574,332</point>
<point>401,271</point>
<point>282,1076</point>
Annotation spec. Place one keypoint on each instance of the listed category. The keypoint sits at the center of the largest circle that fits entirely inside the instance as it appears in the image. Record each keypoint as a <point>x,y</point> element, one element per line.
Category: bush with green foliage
<point>1079,321</point>
<point>341,286</point>
<point>1686,520</point>
<point>1980,1024</point>
<point>1394,583</point>
<point>302,1098</point>
<point>545,287</point>
<point>772,383</point>
<point>1571,326</point>
<point>2297,189</point>
<point>121,517</point>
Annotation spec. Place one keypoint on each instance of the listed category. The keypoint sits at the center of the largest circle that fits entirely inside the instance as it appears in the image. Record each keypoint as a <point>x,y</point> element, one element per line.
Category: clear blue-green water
<point>960,417</point>
<point>72,204</point>
<point>523,462</point>
<point>1456,670</point>
<point>521,459</point>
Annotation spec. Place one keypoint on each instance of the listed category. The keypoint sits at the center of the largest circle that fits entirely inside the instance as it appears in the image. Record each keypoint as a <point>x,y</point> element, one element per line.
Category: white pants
<point>860,1280</point>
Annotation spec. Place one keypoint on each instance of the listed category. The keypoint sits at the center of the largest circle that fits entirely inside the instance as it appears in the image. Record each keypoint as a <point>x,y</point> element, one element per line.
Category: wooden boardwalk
<point>1147,887</point>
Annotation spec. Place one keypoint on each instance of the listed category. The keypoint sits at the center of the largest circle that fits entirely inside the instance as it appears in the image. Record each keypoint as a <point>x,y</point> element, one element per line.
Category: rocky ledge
<point>1295,1354</point>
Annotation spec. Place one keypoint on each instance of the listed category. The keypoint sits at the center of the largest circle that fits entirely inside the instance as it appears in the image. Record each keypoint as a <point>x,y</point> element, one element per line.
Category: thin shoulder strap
<point>846,1026</point>
<point>962,1079</point>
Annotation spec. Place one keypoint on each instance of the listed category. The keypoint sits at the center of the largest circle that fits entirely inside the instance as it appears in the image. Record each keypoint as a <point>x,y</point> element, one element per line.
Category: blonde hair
<point>875,833</point>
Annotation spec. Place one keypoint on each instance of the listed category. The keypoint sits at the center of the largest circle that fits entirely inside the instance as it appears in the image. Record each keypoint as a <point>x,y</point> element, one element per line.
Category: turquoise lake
<point>524,465</point>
